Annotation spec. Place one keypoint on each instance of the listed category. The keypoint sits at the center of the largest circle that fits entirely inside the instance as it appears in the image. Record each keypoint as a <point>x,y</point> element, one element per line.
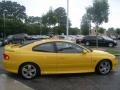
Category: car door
<point>91,40</point>
<point>45,56</point>
<point>70,58</point>
<point>101,41</point>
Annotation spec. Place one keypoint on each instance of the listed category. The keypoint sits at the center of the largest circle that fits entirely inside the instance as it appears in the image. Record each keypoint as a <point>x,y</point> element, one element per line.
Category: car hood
<point>102,53</point>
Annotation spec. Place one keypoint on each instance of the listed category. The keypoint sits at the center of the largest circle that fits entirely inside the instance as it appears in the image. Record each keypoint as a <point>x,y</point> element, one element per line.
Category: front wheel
<point>87,43</point>
<point>104,67</point>
<point>28,71</point>
<point>110,45</point>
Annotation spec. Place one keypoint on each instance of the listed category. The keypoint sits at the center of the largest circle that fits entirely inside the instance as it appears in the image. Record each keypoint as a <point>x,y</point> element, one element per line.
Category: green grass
<point>113,51</point>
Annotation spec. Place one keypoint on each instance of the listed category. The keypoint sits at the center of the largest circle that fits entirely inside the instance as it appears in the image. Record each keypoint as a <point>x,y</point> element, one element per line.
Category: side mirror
<point>84,51</point>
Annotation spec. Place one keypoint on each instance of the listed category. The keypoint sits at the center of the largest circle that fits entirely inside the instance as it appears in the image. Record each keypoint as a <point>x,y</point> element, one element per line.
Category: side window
<point>46,47</point>
<point>65,47</point>
<point>100,38</point>
<point>93,38</point>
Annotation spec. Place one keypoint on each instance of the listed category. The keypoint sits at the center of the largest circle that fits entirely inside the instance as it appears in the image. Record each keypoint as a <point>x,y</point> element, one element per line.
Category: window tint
<point>99,38</point>
<point>47,47</point>
<point>64,47</point>
<point>90,38</point>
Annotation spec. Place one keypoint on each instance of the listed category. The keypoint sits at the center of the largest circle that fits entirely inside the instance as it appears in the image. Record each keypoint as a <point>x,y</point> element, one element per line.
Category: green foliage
<point>101,30</point>
<point>117,31</point>
<point>99,11</point>
<point>16,20</point>
<point>49,19</point>
<point>12,26</point>
<point>14,14</point>
<point>60,13</point>
<point>74,31</point>
<point>85,25</point>
<point>115,52</point>
<point>33,20</point>
<point>55,20</point>
<point>12,10</point>
<point>111,31</point>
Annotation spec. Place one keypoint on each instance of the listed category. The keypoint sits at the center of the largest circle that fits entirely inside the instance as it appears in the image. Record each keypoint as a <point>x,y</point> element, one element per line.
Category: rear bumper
<point>10,67</point>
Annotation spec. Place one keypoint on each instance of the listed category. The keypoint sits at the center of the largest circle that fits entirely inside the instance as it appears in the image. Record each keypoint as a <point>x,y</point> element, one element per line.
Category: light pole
<point>4,23</point>
<point>67,25</point>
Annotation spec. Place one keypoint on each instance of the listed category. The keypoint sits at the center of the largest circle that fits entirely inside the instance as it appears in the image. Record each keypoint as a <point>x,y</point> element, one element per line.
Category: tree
<point>14,16</point>
<point>99,13</point>
<point>117,32</point>
<point>61,15</point>
<point>33,20</point>
<point>101,30</point>
<point>111,32</point>
<point>12,10</point>
<point>49,19</point>
<point>85,25</point>
<point>55,20</point>
<point>74,31</point>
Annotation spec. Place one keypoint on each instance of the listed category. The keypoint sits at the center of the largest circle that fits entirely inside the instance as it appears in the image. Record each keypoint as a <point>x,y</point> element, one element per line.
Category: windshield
<point>107,38</point>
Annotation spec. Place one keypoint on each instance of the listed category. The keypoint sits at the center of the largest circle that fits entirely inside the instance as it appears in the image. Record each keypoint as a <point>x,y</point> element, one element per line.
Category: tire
<point>87,43</point>
<point>104,67</point>
<point>29,71</point>
<point>110,45</point>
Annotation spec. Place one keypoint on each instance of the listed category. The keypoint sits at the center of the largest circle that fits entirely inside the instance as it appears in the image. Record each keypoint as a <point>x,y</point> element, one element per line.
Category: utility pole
<point>4,19</point>
<point>67,25</point>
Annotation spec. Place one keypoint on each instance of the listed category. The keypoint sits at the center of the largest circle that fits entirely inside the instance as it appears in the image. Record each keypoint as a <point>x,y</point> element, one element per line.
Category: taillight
<point>6,57</point>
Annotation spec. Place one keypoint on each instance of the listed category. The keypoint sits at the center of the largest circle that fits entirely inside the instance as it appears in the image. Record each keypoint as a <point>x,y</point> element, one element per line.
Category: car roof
<point>44,41</point>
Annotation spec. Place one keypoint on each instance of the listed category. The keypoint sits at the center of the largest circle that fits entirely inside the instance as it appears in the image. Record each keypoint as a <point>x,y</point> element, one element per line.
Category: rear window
<point>46,47</point>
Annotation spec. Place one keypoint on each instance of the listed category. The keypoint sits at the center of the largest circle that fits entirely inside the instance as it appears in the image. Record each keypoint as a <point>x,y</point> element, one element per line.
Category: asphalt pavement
<point>86,81</point>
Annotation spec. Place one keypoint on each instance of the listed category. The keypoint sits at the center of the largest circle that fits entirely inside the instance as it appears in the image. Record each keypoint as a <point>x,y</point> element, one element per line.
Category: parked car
<point>17,38</point>
<point>102,41</point>
<point>79,38</point>
<point>55,56</point>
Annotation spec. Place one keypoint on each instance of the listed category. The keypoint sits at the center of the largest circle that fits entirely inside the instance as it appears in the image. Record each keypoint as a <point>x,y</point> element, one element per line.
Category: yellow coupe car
<point>52,56</point>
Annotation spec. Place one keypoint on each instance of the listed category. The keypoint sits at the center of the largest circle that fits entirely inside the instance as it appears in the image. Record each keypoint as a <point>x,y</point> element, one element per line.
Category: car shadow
<point>60,76</point>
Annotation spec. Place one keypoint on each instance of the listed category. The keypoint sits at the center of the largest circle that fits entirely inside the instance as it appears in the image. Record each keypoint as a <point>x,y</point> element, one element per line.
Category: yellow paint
<point>54,63</point>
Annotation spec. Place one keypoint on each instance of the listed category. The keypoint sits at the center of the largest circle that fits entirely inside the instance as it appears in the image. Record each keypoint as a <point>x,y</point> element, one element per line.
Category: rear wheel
<point>104,67</point>
<point>29,70</point>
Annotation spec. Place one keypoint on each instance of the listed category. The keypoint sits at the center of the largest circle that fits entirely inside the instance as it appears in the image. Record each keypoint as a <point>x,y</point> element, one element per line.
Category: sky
<point>77,9</point>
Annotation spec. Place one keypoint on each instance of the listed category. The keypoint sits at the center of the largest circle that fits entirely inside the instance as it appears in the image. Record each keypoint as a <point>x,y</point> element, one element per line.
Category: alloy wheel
<point>29,71</point>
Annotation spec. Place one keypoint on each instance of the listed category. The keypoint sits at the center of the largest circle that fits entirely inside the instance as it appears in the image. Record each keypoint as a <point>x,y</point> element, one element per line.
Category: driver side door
<point>70,58</point>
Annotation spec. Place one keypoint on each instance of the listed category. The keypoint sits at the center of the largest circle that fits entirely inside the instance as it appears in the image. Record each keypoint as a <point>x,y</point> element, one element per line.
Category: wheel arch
<point>36,65</point>
<point>101,61</point>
